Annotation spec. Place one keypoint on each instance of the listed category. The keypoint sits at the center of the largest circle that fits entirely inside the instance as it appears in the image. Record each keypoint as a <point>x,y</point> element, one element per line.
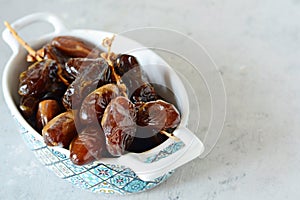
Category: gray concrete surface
<point>256,46</point>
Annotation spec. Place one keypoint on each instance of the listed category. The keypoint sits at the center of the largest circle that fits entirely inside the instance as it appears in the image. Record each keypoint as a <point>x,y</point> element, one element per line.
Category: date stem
<point>31,52</point>
<point>170,135</point>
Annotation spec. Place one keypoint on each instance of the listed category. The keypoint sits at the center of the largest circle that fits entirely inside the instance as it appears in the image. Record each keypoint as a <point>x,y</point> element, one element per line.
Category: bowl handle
<point>192,148</point>
<point>27,20</point>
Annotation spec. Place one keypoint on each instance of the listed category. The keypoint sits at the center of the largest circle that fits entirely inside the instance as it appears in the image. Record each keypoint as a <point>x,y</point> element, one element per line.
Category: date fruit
<point>124,63</point>
<point>75,47</point>
<point>137,83</point>
<point>37,78</point>
<point>144,93</point>
<point>60,131</point>
<point>28,106</point>
<point>93,106</point>
<point>118,123</point>
<point>74,66</point>
<point>95,75</point>
<point>158,115</point>
<point>47,110</point>
<point>88,146</point>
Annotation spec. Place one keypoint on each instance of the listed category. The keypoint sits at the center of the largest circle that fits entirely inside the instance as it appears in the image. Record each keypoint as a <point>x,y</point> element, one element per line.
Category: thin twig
<point>110,56</point>
<point>22,42</point>
<point>170,135</point>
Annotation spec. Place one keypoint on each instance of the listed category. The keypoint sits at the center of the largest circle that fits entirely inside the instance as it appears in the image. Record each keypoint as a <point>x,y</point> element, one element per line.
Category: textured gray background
<point>256,45</point>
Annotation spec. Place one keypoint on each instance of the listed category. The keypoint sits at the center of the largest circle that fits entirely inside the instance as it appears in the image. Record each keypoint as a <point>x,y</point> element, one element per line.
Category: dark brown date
<point>28,107</point>
<point>88,146</point>
<point>153,117</point>
<point>95,75</point>
<point>118,123</point>
<point>94,104</point>
<point>158,115</point>
<point>62,48</point>
<point>38,82</point>
<point>75,47</point>
<point>60,131</point>
<point>147,137</point>
<point>50,52</point>
<point>37,78</point>
<point>127,67</point>
<point>144,93</point>
<point>47,110</point>
<point>74,66</point>
<point>124,63</point>
<point>137,83</point>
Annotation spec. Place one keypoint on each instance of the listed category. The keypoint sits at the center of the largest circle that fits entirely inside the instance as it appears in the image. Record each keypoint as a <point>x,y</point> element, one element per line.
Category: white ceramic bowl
<point>129,173</point>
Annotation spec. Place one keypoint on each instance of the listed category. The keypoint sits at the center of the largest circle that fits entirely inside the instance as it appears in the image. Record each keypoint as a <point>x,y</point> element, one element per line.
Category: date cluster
<point>79,101</point>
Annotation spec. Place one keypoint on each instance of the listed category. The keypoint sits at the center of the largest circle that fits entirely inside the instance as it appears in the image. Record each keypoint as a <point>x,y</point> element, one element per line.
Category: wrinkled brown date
<point>38,82</point>
<point>138,86</point>
<point>37,78</point>
<point>60,130</point>
<point>88,146</point>
<point>75,47</point>
<point>93,106</point>
<point>124,125</point>
<point>50,52</point>
<point>144,93</point>
<point>47,110</point>
<point>98,73</point>
<point>75,66</point>
<point>128,68</point>
<point>64,47</point>
<point>153,117</point>
<point>158,115</point>
<point>118,123</point>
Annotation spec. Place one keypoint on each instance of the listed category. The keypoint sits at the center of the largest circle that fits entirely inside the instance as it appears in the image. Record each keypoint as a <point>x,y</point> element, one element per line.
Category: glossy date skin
<point>75,47</point>
<point>37,83</point>
<point>38,78</point>
<point>47,110</point>
<point>62,48</point>
<point>159,115</point>
<point>153,117</point>
<point>74,66</point>
<point>93,106</point>
<point>41,81</point>
<point>95,75</point>
<point>88,145</point>
<point>137,83</point>
<point>118,123</point>
<point>60,131</point>
<point>73,82</point>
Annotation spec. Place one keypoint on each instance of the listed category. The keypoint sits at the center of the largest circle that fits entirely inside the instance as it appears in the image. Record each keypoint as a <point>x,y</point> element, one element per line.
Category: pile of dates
<point>79,101</point>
